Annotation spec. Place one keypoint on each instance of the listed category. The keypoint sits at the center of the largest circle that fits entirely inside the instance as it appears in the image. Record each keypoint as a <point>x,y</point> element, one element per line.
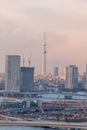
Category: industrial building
<point>6,102</point>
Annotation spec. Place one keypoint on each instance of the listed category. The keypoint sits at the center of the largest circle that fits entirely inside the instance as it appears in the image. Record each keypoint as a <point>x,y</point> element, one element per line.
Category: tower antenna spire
<point>29,60</point>
<point>23,61</point>
<point>44,56</point>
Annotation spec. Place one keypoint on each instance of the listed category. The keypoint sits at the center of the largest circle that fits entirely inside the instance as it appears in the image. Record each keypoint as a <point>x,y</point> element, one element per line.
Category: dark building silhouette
<point>27,79</point>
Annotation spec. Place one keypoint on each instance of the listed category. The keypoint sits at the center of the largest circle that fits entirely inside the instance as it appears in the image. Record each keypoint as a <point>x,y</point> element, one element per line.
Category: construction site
<point>62,110</point>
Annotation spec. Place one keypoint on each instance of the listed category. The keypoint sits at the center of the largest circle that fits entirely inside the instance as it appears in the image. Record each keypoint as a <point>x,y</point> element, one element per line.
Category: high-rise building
<point>55,71</point>
<point>72,77</point>
<point>27,79</point>
<point>12,73</point>
<point>86,78</point>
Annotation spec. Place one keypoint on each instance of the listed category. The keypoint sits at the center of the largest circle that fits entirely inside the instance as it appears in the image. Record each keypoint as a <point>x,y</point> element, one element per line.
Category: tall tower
<point>44,56</point>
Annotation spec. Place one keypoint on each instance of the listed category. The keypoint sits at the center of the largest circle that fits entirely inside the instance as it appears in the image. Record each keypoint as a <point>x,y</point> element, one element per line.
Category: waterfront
<point>22,128</point>
<point>58,99</point>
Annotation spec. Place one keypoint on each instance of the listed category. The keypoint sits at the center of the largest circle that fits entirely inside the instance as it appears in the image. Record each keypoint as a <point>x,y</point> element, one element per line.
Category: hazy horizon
<point>23,23</point>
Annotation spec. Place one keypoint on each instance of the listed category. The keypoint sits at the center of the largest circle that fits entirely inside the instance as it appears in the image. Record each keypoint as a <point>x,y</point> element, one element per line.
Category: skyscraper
<point>55,71</point>
<point>27,79</point>
<point>72,77</point>
<point>86,78</point>
<point>12,73</point>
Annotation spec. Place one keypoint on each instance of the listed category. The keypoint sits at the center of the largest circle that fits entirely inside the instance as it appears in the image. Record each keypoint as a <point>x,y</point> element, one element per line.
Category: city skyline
<point>23,23</point>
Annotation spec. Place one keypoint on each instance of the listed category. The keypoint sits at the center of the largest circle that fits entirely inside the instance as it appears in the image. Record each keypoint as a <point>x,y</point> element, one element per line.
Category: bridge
<point>50,124</point>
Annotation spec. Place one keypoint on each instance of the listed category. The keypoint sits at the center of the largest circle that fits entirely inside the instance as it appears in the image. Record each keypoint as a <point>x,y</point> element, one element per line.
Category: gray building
<point>72,77</point>
<point>12,73</point>
<point>84,79</point>
<point>55,71</point>
<point>27,79</point>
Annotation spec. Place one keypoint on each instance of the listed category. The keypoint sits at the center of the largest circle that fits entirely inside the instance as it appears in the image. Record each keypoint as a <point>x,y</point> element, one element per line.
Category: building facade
<point>86,78</point>
<point>55,71</point>
<point>27,79</point>
<point>12,73</point>
<point>71,77</point>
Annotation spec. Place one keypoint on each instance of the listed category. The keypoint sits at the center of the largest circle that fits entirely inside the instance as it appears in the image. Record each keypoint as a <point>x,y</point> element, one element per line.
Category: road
<point>45,124</point>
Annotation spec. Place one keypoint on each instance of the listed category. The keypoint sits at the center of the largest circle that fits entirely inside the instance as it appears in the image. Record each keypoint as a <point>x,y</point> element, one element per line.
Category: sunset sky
<point>23,23</point>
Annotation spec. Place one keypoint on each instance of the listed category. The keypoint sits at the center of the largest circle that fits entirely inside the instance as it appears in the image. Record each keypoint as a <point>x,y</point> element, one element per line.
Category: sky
<point>23,23</point>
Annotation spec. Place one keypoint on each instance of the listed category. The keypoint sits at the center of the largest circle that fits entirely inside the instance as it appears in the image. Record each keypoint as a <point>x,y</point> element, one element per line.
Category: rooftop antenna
<point>23,61</point>
<point>29,60</point>
<point>44,56</point>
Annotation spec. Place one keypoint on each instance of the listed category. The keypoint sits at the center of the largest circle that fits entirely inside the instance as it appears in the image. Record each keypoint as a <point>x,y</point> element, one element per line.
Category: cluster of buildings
<point>17,78</point>
<point>68,81</point>
<point>74,80</point>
